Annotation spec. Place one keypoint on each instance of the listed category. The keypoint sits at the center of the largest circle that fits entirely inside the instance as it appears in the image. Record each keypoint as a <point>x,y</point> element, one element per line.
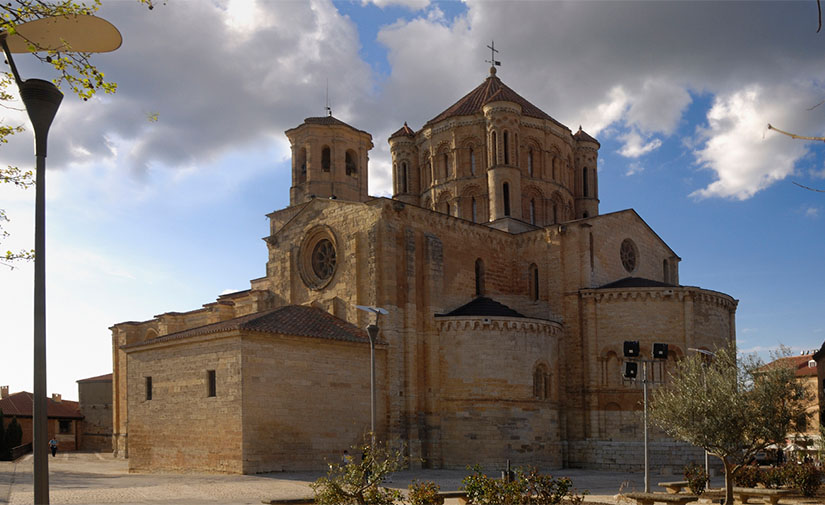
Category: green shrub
<point>746,476</point>
<point>696,477</point>
<point>424,493</point>
<point>805,477</point>
<point>774,477</point>
<point>527,487</point>
<point>358,482</point>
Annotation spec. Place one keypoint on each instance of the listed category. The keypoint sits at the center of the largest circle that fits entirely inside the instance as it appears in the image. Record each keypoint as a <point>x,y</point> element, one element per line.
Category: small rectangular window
<point>211,385</point>
<point>65,426</point>
<point>148,388</point>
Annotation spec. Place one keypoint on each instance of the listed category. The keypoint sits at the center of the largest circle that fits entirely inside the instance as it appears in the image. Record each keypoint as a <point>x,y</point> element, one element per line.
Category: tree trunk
<point>729,467</point>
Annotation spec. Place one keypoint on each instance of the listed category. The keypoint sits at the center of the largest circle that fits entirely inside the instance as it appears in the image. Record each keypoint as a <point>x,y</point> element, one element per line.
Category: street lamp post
<point>42,99</point>
<point>631,350</point>
<point>372,332</point>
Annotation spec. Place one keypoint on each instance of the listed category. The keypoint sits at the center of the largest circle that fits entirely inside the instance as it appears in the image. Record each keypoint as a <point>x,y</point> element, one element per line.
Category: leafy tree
<point>14,434</point>
<point>730,406</point>
<point>358,482</point>
<point>74,70</point>
<point>3,450</point>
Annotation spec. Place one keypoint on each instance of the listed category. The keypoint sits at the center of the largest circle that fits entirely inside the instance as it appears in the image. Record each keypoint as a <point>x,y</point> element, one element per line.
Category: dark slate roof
<point>404,131</point>
<point>637,282</point>
<point>582,136</point>
<point>491,90</point>
<point>99,378</point>
<point>483,306</point>
<point>298,320</point>
<point>22,405</point>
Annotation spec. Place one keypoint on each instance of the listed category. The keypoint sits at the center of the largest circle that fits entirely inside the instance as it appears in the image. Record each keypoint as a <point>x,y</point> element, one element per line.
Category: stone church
<point>508,294</point>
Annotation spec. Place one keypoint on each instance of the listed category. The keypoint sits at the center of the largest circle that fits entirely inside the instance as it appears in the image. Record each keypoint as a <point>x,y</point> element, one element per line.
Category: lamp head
<point>42,99</point>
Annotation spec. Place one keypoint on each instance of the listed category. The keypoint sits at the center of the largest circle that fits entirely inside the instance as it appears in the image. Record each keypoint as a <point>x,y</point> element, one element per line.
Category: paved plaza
<point>96,478</point>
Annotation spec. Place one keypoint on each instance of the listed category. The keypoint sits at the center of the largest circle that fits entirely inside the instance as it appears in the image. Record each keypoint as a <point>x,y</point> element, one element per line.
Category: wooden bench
<point>772,496</point>
<point>669,498</point>
<point>461,496</point>
<point>675,486</point>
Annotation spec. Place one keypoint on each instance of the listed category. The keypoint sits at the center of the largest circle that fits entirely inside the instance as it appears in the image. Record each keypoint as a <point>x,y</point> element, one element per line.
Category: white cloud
<point>634,168</point>
<point>413,5</point>
<point>635,145</point>
<point>658,105</point>
<point>812,212</point>
<point>744,156</point>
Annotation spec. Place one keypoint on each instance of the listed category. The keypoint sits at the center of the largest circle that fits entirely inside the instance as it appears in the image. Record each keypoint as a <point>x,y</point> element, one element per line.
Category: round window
<point>317,258</point>
<point>629,255</point>
<point>323,259</point>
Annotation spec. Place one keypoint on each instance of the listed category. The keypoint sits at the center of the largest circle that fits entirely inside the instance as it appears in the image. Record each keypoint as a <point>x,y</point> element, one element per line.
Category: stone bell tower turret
<point>329,160</point>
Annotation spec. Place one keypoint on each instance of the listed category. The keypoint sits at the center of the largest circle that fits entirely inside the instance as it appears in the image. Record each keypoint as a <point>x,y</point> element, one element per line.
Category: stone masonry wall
<point>181,428</point>
<point>306,400</point>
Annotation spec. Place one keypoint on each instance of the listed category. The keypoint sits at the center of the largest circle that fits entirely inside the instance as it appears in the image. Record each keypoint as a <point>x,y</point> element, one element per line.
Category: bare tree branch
<point>809,188</point>
<point>795,136</point>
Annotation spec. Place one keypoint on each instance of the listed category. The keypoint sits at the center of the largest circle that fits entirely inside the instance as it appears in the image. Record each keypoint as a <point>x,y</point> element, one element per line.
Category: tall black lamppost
<point>372,332</point>
<point>631,350</point>
<point>87,34</point>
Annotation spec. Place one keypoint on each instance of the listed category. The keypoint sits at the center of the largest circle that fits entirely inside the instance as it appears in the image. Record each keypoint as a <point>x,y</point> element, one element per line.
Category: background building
<point>95,403</point>
<point>64,417</point>
<point>509,298</point>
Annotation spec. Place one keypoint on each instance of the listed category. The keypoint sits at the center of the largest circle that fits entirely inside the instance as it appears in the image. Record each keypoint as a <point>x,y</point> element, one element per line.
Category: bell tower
<point>329,160</point>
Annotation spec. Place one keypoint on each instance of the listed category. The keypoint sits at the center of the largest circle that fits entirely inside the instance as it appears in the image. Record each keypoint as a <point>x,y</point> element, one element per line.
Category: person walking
<point>53,447</point>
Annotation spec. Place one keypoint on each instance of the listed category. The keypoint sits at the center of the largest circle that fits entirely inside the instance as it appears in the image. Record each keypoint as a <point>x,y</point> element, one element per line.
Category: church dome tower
<point>329,160</point>
<point>495,158</point>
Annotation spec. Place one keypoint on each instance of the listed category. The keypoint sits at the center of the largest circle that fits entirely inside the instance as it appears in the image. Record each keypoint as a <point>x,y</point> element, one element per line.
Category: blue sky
<point>146,217</point>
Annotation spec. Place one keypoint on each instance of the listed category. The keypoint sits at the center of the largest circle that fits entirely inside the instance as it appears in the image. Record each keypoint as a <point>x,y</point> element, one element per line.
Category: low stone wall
<point>665,457</point>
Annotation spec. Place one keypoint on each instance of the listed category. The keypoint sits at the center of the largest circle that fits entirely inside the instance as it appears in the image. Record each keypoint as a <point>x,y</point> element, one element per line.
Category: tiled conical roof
<point>328,121</point>
<point>404,131</point>
<point>582,136</point>
<point>491,90</point>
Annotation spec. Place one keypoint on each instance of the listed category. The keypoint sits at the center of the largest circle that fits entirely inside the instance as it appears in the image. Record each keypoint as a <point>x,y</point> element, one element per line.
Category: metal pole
<point>647,468</point>
<point>40,440</point>
<point>372,331</point>
<point>42,99</point>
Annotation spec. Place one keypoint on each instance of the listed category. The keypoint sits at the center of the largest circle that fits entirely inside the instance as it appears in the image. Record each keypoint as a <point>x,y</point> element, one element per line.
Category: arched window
<point>479,277</point>
<point>530,161</point>
<point>404,177</point>
<point>494,143</point>
<point>446,166</point>
<point>534,282</point>
<point>472,161</point>
<point>584,182</point>
<point>325,159</point>
<point>448,209</point>
<point>532,211</point>
<point>505,193</point>
<point>350,163</point>
<point>541,382</point>
<point>506,146</point>
<point>302,164</point>
<point>474,209</point>
<point>555,212</point>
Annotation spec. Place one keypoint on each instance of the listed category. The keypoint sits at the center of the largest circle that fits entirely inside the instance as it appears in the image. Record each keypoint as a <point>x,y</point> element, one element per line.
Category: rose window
<point>628,254</point>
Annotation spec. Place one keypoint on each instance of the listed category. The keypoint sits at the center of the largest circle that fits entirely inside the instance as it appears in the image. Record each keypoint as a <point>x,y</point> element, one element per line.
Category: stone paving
<point>96,478</point>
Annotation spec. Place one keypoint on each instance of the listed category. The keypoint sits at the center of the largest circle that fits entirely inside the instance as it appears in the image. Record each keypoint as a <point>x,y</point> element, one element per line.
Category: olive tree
<point>731,406</point>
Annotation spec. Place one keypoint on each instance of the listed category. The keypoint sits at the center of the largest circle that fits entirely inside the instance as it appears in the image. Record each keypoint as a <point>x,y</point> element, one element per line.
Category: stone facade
<point>508,299</point>
<point>95,401</point>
